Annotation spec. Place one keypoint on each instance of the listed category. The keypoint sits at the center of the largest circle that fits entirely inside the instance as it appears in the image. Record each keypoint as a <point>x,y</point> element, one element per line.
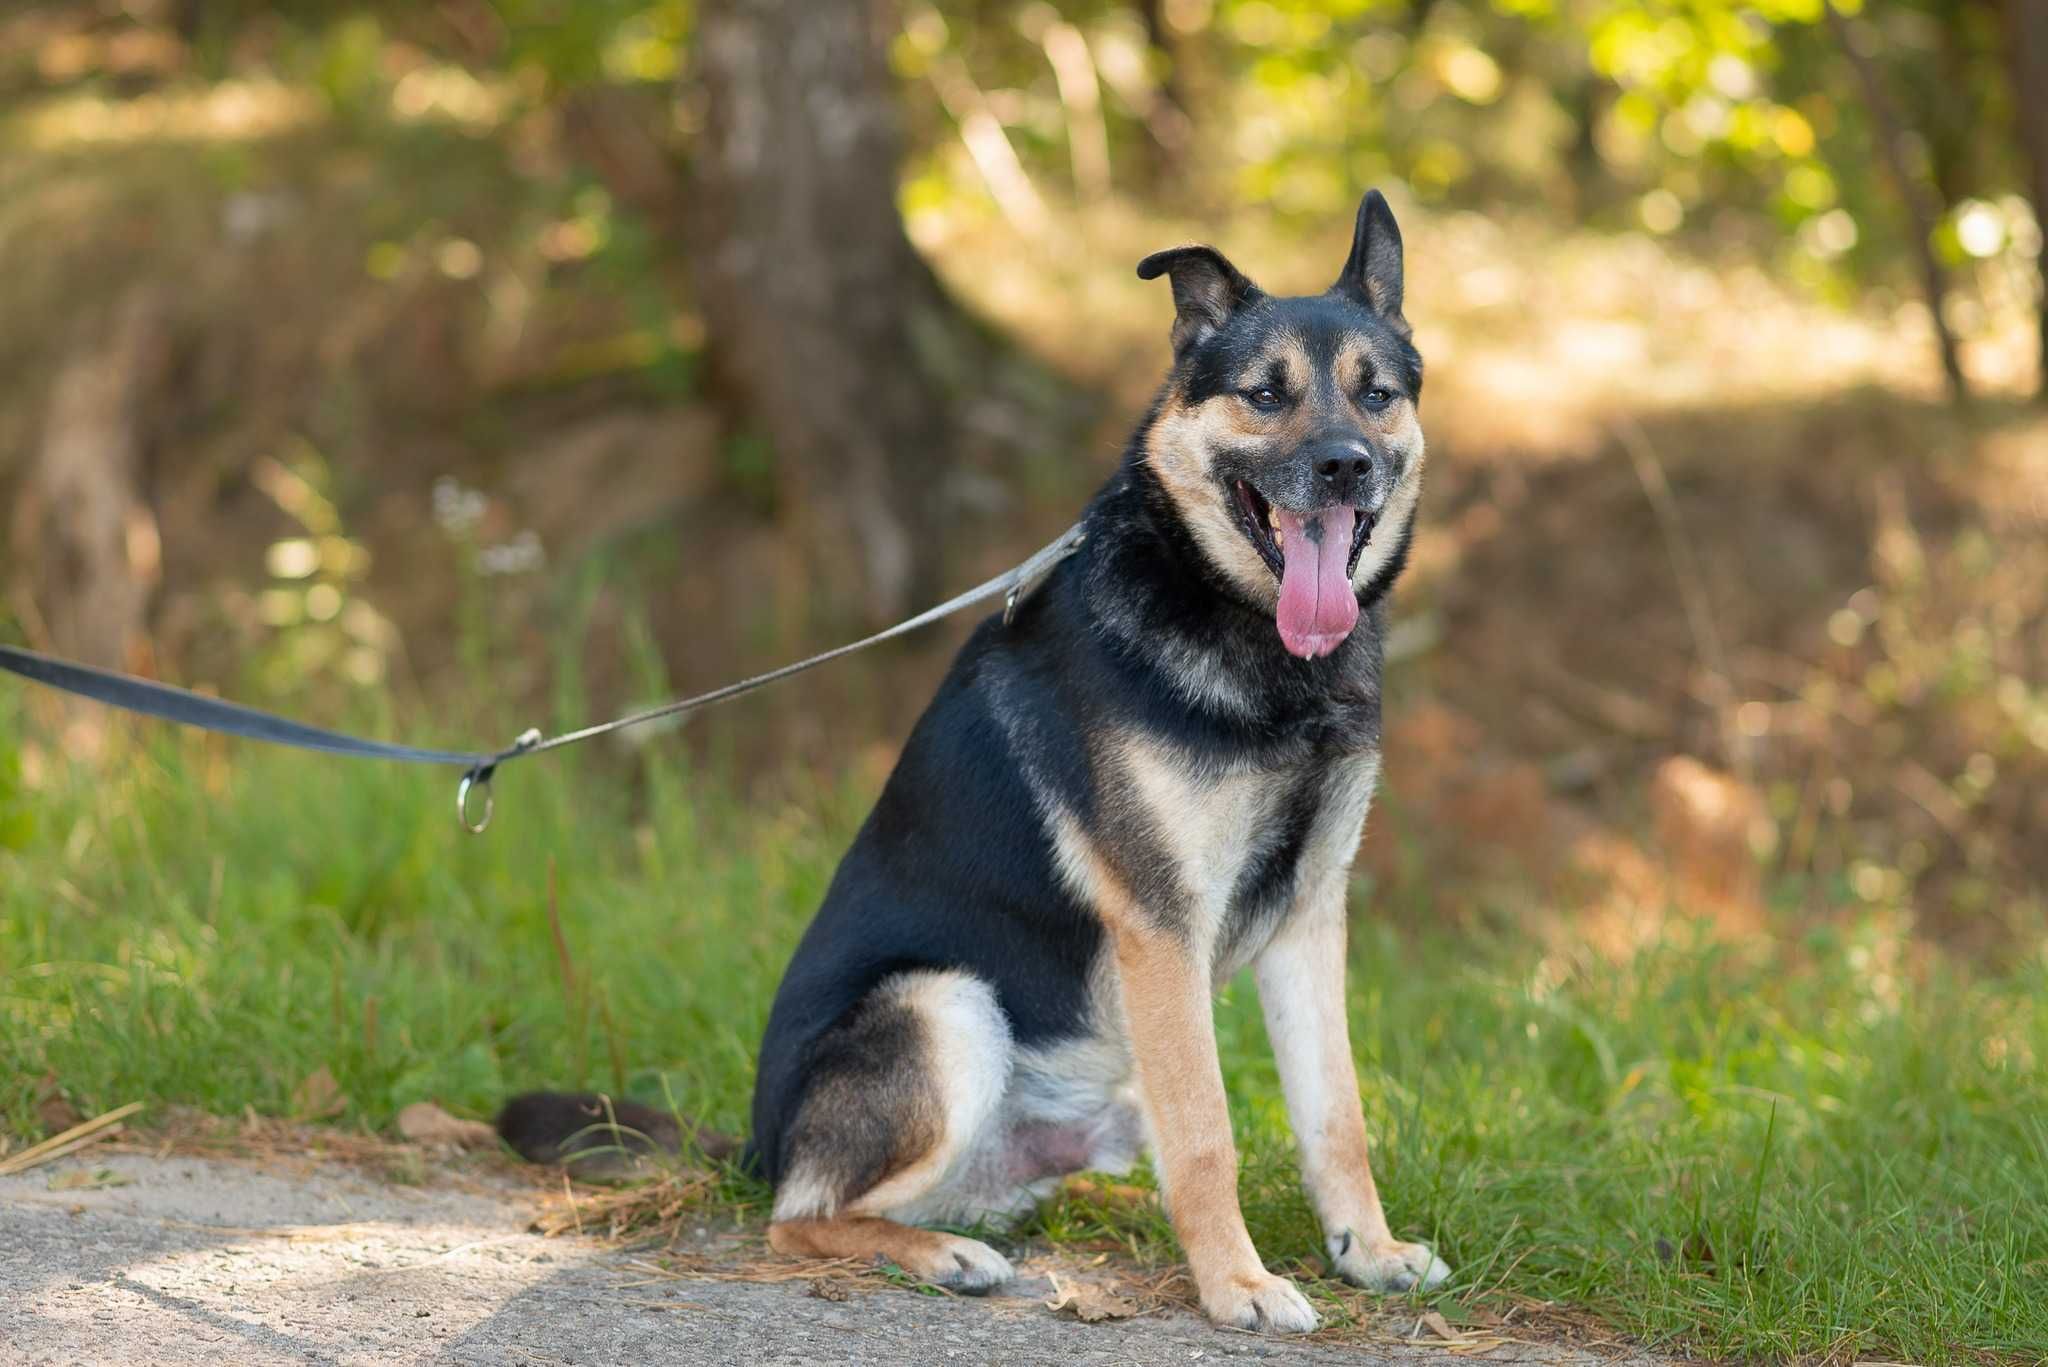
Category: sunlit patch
<point>449,94</point>
<point>228,111</point>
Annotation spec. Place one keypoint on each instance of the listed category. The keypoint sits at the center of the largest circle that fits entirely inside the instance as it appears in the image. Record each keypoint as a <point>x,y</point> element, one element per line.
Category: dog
<point>1155,774</point>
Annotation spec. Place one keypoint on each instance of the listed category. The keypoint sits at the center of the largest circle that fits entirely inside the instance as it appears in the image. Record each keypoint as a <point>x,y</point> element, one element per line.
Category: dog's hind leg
<point>903,1090</point>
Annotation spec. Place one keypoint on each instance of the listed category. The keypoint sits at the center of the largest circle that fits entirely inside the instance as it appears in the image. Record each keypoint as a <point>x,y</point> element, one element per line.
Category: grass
<point>1786,1149</point>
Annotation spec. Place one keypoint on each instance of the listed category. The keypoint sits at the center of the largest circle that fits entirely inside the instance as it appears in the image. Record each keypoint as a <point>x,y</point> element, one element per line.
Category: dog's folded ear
<point>1207,289</point>
<point>1372,273</point>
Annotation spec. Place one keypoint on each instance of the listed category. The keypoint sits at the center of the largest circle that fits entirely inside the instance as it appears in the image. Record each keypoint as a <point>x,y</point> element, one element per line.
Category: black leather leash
<point>186,708</point>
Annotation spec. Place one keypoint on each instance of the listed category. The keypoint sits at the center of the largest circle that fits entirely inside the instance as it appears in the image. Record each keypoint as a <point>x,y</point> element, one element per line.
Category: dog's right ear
<point>1207,290</point>
<point>1372,273</point>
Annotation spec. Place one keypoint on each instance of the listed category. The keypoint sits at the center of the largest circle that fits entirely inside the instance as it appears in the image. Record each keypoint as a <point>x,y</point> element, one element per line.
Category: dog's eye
<point>1265,396</point>
<point>1378,397</point>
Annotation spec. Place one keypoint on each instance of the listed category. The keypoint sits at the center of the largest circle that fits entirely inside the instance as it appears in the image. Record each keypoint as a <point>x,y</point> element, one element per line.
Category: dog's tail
<point>600,1138</point>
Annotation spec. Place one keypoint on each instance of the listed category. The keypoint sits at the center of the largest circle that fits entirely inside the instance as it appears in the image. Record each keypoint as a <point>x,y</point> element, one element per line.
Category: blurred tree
<point>1165,113</point>
<point>822,320</point>
<point>1922,210</point>
<point>2027,41</point>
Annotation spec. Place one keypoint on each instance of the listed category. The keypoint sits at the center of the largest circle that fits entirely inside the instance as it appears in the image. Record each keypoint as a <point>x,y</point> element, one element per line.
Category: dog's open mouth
<point>1313,555</point>
<point>1261,524</point>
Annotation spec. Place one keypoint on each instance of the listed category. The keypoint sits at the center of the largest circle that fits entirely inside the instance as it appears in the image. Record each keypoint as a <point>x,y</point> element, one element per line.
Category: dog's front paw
<point>965,1265</point>
<point>1387,1265</point>
<point>1262,1302</point>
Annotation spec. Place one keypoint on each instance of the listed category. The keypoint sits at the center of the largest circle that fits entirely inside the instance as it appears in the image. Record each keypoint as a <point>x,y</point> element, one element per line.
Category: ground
<point>181,1259</point>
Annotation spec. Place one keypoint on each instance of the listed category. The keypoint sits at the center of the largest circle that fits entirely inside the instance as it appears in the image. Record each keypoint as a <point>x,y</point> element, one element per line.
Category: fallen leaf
<point>319,1097</point>
<point>1089,1302</point>
<point>825,1289</point>
<point>56,1115</point>
<point>88,1179</point>
<point>1440,1326</point>
<point>425,1123</point>
<point>54,1111</point>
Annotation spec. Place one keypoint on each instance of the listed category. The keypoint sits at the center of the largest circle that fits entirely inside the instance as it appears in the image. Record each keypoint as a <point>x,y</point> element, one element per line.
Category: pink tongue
<point>1318,607</point>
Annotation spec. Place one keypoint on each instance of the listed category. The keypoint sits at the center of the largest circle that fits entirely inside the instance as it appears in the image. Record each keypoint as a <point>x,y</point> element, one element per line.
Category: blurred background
<point>452,366</point>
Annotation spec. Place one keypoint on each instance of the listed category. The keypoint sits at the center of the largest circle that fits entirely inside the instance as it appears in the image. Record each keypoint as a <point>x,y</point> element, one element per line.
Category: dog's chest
<point>1245,842</point>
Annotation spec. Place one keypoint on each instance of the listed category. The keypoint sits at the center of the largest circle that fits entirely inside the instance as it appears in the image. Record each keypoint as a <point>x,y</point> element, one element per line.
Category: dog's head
<point>1286,436</point>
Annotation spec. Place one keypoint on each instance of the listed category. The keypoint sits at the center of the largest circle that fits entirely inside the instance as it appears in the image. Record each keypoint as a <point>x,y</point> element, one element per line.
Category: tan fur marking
<point>1293,358</point>
<point>1178,447</point>
<point>1400,508</point>
<point>923,1253</point>
<point>1164,992</point>
<point>1353,357</point>
<point>854,1236</point>
<point>1201,821</point>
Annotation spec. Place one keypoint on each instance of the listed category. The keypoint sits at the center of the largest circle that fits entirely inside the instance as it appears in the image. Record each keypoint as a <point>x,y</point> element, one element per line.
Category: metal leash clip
<point>1034,571</point>
<point>478,780</point>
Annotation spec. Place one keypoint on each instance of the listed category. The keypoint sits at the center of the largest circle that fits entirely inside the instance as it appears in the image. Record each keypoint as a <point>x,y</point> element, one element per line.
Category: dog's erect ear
<point>1372,273</point>
<point>1207,289</point>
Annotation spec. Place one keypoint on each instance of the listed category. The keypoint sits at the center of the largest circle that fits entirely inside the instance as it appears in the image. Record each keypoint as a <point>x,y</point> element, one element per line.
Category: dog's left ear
<point>1372,273</point>
<point>1207,289</point>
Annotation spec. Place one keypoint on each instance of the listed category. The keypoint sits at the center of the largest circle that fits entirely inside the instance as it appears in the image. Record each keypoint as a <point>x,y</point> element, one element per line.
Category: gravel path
<point>203,1261</point>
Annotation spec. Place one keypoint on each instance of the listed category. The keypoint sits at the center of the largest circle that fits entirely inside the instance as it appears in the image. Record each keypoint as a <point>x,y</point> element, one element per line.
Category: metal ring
<point>474,782</point>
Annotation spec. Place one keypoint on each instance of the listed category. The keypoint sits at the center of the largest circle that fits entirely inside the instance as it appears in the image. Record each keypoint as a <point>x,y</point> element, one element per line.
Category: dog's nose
<point>1343,472</point>
<point>1336,467</point>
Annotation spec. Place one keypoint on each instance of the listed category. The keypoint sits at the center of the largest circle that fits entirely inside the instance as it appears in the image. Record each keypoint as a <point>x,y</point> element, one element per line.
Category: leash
<point>186,708</point>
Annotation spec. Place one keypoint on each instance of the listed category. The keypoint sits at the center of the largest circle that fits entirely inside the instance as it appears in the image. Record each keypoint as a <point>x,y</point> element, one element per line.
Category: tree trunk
<point>1166,114</point>
<point>2027,35</point>
<point>84,536</point>
<point>1921,212</point>
<point>821,319</point>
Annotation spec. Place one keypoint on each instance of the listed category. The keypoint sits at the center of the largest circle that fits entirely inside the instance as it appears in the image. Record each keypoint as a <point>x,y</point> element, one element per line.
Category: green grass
<point>1779,1151</point>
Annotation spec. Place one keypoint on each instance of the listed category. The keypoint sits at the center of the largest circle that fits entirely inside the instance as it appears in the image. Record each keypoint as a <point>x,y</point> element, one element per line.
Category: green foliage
<point>591,41</point>
<point>1736,122</point>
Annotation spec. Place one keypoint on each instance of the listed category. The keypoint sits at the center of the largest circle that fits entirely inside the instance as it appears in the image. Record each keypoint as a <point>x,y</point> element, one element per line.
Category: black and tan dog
<point>1155,775</point>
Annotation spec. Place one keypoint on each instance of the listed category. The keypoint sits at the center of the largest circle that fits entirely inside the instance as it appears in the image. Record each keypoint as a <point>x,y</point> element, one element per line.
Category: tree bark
<point>2027,41</point>
<point>820,317</point>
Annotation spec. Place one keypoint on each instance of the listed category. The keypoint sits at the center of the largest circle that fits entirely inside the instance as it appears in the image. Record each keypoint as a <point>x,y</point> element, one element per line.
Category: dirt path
<point>193,1260</point>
